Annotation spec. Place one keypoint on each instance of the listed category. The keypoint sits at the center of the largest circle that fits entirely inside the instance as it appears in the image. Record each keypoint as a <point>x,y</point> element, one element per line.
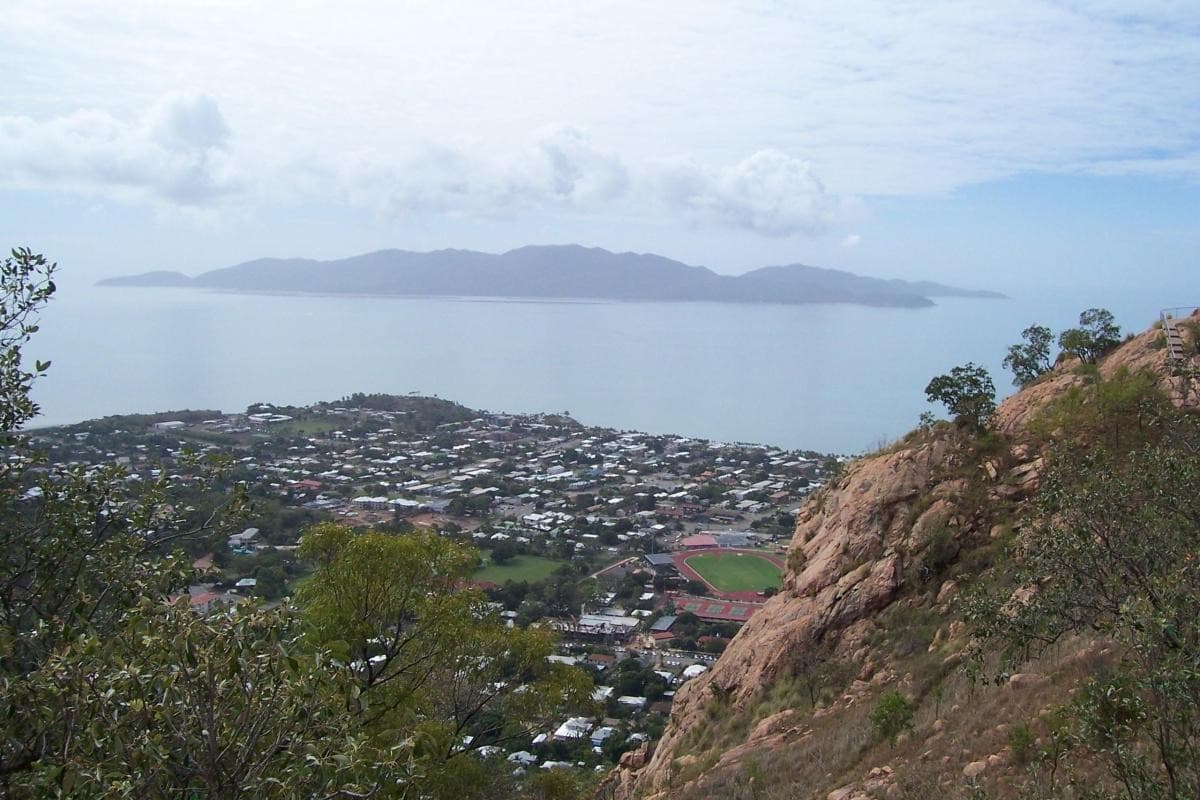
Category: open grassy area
<point>520,568</point>
<point>736,572</point>
<point>307,427</point>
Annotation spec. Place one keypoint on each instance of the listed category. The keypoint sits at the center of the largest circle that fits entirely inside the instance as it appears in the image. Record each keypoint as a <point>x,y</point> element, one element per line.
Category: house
<point>600,734</point>
<point>371,503</point>
<point>208,602</point>
<point>243,541</point>
<point>573,728</point>
<point>523,757</point>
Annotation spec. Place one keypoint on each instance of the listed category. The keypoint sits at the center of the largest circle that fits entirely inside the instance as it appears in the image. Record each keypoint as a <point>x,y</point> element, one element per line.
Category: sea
<point>831,378</point>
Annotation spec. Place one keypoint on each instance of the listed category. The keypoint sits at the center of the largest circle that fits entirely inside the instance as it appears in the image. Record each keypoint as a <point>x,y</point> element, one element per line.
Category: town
<point>645,552</point>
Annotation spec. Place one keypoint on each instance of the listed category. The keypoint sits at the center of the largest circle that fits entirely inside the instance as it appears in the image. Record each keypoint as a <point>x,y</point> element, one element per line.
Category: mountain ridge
<point>553,272</point>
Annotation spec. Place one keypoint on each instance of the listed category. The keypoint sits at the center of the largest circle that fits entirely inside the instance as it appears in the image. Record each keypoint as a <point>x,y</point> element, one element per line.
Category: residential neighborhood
<point>644,552</point>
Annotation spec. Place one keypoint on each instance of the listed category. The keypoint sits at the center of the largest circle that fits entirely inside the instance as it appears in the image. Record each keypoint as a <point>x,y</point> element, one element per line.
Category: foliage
<point>892,715</point>
<point>1118,555</point>
<point>227,705</point>
<point>967,392</point>
<point>1030,360</point>
<point>940,551</point>
<point>1123,411</point>
<point>1097,334</point>
<point>1021,742</point>
<point>557,784</point>
<point>429,660</point>
<point>26,284</point>
<point>106,689</point>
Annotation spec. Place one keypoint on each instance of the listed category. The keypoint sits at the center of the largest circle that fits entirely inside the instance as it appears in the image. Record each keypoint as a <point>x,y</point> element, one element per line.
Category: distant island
<point>553,272</point>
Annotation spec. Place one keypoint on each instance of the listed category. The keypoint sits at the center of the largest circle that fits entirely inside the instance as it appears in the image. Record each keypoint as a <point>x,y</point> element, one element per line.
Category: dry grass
<point>959,719</point>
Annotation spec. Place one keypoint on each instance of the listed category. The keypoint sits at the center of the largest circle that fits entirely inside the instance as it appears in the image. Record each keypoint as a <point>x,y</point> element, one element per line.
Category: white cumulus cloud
<point>177,152</point>
<point>182,152</point>
<point>769,192</point>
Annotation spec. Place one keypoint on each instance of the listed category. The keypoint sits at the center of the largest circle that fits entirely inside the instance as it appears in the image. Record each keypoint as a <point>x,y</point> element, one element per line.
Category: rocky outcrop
<point>854,543</point>
<point>858,546</point>
<point>1143,353</point>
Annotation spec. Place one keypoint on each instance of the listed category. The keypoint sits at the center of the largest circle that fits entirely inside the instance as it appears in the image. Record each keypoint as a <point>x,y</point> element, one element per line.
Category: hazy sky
<point>984,143</point>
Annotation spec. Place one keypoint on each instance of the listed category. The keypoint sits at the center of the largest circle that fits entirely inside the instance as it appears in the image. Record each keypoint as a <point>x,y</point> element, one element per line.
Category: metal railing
<point>1177,357</point>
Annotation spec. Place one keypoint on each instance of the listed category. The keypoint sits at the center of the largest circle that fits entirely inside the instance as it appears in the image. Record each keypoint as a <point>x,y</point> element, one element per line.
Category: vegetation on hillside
<point>1043,637</point>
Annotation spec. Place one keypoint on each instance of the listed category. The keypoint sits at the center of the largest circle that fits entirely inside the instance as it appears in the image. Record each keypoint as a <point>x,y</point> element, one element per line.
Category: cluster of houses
<point>547,483</point>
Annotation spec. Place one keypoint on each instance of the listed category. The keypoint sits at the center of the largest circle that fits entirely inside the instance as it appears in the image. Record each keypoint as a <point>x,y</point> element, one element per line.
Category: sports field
<point>736,572</point>
<point>520,568</point>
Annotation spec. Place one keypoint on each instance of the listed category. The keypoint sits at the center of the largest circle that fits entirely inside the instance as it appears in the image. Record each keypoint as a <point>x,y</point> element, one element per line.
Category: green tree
<point>892,715</point>
<point>967,392</point>
<point>1030,360</point>
<point>105,690</point>
<point>1097,334</point>
<point>503,552</point>
<point>430,663</point>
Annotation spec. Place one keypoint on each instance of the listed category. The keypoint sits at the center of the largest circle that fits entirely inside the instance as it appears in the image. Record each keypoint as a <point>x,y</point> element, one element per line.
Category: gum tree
<point>968,393</point>
<point>1031,359</point>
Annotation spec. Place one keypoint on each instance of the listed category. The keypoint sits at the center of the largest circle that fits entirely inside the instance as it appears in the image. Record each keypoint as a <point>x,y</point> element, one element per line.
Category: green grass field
<point>520,568</point>
<point>733,572</point>
<point>307,427</point>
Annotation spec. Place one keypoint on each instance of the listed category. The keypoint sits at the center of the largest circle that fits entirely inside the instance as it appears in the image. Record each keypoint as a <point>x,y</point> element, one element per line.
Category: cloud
<point>561,169</point>
<point>882,96</point>
<point>183,153</point>
<point>769,192</point>
<point>851,241</point>
<point>176,153</point>
<point>186,123</point>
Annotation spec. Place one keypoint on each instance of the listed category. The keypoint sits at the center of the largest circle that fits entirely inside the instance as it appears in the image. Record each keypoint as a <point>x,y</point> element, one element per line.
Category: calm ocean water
<point>826,377</point>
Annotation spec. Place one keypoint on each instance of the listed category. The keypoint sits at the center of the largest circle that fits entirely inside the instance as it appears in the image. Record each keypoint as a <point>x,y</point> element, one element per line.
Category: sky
<point>985,144</point>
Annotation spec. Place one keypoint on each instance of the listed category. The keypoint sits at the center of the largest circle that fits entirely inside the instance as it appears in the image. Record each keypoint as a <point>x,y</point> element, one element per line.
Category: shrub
<point>1021,741</point>
<point>892,715</point>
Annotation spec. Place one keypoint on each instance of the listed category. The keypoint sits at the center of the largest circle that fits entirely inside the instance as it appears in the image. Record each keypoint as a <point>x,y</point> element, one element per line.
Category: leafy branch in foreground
<point>427,657</point>
<point>26,284</point>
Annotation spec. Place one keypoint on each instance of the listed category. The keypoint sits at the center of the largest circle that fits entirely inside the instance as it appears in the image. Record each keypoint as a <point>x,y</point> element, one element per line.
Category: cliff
<point>867,606</point>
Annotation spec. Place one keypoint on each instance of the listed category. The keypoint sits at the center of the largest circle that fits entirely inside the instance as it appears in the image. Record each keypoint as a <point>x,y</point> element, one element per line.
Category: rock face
<point>855,546</point>
<point>855,540</point>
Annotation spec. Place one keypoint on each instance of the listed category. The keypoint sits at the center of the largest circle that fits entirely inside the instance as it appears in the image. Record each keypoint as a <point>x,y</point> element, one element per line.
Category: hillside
<point>873,603</point>
<point>553,272</point>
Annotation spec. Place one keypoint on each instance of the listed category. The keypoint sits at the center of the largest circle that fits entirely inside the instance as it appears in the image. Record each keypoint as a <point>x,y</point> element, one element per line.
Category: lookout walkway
<point>1181,363</point>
